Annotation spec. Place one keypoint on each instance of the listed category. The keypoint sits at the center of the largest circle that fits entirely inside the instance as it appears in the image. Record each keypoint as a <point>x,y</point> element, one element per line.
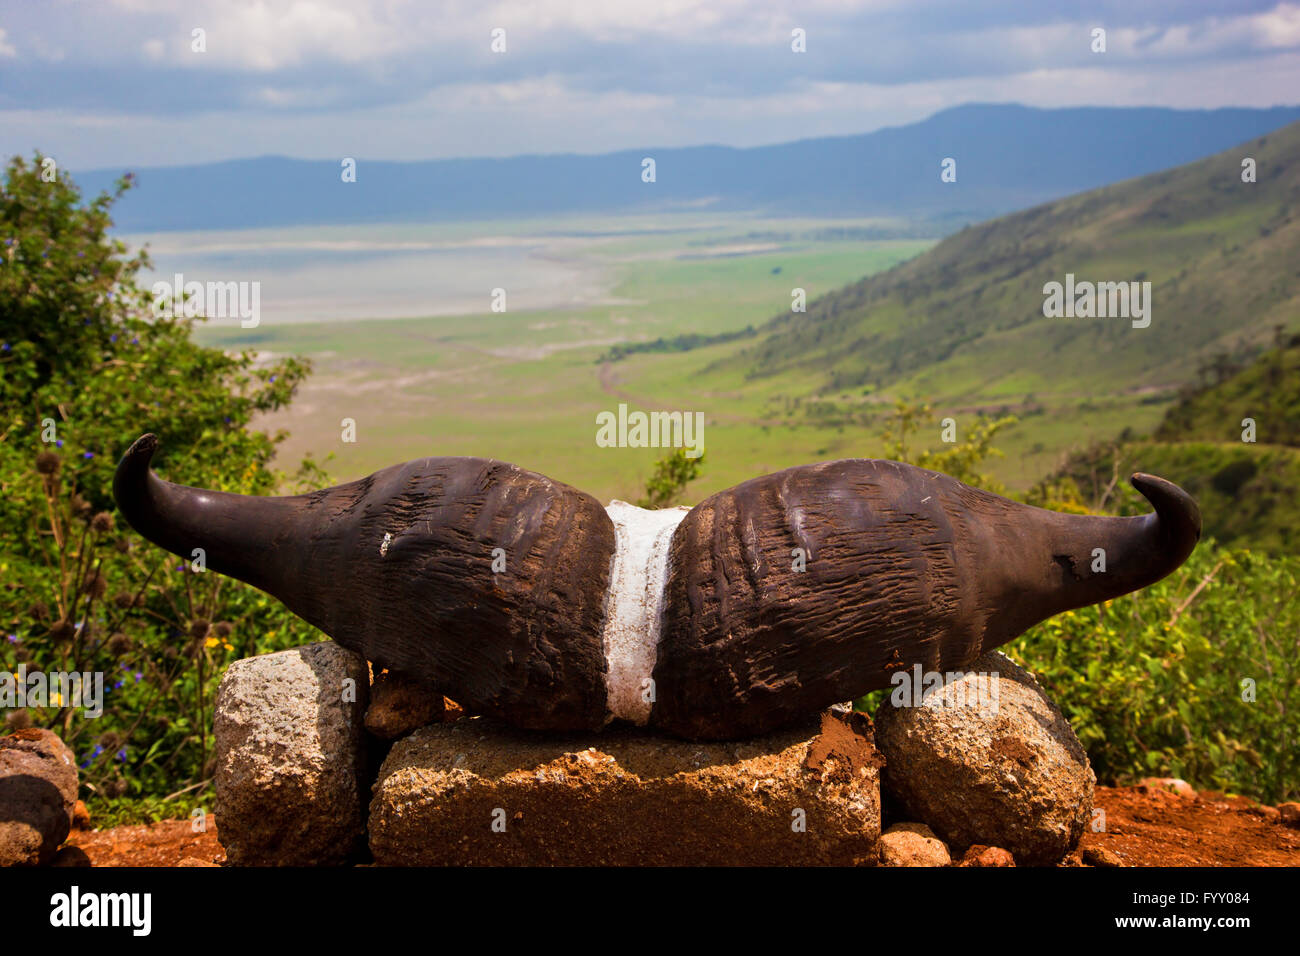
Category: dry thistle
<point>48,463</point>
<point>95,584</point>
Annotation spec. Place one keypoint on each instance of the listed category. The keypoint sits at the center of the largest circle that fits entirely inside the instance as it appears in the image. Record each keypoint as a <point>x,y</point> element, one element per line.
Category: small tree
<point>958,459</point>
<point>671,476</point>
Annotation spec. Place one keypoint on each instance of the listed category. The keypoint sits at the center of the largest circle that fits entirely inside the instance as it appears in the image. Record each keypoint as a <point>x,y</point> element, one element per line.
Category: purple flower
<point>118,685</point>
<point>87,454</point>
<point>138,677</point>
<point>12,638</point>
<point>113,337</point>
<point>121,754</point>
<point>6,346</point>
<point>59,443</point>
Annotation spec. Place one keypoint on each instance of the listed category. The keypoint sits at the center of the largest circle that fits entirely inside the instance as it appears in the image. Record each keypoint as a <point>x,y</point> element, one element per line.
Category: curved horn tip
<point>143,447</point>
<point>133,470</point>
<point>1171,502</point>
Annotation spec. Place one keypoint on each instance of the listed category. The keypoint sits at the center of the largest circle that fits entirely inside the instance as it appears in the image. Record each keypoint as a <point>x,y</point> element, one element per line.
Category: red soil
<point>1152,826</point>
<point>1145,826</point>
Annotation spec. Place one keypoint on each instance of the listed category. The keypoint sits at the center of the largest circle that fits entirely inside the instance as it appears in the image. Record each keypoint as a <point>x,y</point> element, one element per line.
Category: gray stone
<point>1013,775</point>
<point>291,758</point>
<point>478,792</point>
<point>38,790</point>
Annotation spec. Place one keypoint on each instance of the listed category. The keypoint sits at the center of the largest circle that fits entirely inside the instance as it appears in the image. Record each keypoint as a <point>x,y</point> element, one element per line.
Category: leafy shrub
<point>959,459</point>
<point>85,368</point>
<point>1155,682</point>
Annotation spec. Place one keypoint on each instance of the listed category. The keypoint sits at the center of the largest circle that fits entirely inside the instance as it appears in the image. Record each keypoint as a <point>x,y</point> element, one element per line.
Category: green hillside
<point>1222,257</point>
<point>1246,490</point>
<point>1266,391</point>
<point>1247,493</point>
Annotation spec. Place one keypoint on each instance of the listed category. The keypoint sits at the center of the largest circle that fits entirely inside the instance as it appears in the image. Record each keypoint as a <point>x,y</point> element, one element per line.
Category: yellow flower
<point>211,642</point>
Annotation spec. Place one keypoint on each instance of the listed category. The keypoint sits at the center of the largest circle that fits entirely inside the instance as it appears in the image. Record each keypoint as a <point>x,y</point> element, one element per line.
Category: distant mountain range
<point>1008,157</point>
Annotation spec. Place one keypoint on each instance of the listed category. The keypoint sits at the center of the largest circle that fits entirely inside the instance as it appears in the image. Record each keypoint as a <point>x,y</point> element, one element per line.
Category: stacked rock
<point>299,734</point>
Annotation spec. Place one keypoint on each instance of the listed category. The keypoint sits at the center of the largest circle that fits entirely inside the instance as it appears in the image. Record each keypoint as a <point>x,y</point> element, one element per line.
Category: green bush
<point>1197,676</point>
<point>85,368</point>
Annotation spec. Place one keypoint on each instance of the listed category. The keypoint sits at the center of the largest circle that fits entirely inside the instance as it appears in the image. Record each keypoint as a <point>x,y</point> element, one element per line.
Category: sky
<point>111,83</point>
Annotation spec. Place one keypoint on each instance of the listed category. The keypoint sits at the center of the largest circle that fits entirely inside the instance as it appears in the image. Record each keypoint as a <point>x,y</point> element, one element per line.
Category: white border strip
<point>634,605</point>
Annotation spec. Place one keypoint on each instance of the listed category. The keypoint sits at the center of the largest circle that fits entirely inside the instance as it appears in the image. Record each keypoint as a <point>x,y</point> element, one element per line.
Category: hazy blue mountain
<point>1008,158</point>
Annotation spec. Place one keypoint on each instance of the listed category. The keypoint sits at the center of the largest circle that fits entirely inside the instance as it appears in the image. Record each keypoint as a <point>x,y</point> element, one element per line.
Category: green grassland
<point>526,386</point>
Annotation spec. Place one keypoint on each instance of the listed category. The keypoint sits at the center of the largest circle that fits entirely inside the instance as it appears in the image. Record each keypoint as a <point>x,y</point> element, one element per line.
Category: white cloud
<point>404,79</point>
<point>1279,27</point>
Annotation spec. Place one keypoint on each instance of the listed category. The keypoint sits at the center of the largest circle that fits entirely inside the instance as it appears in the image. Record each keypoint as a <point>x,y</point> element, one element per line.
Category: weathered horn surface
<point>902,566</point>
<point>398,567</point>
<point>784,594</point>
